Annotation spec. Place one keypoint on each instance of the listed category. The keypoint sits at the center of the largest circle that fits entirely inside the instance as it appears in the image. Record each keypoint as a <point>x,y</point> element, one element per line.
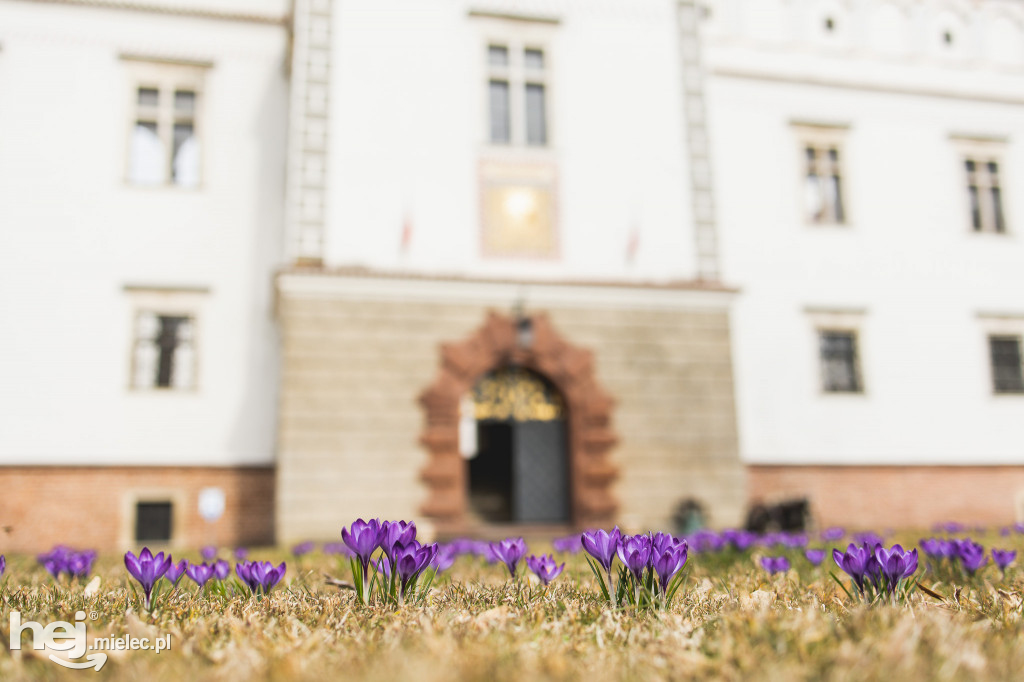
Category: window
<point>164,141</point>
<point>164,351</point>
<point>840,369</point>
<point>823,185</point>
<point>984,194</point>
<point>1007,371</point>
<point>153,521</point>
<point>517,95</point>
<point>824,188</point>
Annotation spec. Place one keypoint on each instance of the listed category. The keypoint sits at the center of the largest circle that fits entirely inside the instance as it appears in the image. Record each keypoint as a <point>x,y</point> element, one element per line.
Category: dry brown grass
<point>731,622</point>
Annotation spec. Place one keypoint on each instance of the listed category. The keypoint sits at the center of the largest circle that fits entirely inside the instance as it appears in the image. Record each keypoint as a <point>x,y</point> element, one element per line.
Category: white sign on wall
<point>211,503</point>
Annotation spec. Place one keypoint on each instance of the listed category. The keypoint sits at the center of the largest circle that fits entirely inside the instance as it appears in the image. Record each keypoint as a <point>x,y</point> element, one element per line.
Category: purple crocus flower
<point>260,575</point>
<point>570,543</point>
<point>147,569</point>
<point>200,573</point>
<point>444,558</point>
<point>509,551</point>
<point>868,538</point>
<point>463,546</point>
<point>635,553</point>
<point>363,539</point>
<point>303,548</point>
<point>267,575</point>
<point>54,561</point>
<point>175,570</point>
<point>1002,557</point>
<point>545,567</point>
<point>337,548</point>
<point>394,533</point>
<point>971,555</point>
<point>815,556</point>
<point>833,534</point>
<point>741,540</point>
<point>705,540</point>
<point>62,559</point>
<point>895,565</point>
<point>602,546</point>
<point>662,542</point>
<point>487,553</point>
<point>775,564</point>
<point>3,564</point>
<point>208,553</point>
<point>853,562</point>
<point>79,564</point>
<point>794,539</point>
<point>934,548</point>
<point>411,558</point>
<point>241,553</point>
<point>244,571</point>
<point>669,562</point>
<point>221,569</point>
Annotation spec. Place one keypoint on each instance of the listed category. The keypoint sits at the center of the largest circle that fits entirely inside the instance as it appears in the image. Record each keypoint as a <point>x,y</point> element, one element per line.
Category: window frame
<point>848,321</point>
<point>982,151</point>
<point>823,137</point>
<point>171,302</point>
<point>130,499</point>
<point>1020,362</point>
<point>167,77</point>
<point>999,324</point>
<point>517,35</point>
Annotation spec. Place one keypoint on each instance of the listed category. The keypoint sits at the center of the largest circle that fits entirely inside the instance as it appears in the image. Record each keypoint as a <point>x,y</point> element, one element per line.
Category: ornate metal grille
<point>517,394</point>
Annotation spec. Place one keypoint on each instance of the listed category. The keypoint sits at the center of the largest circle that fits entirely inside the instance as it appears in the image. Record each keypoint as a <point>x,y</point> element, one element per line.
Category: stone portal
<point>528,449</point>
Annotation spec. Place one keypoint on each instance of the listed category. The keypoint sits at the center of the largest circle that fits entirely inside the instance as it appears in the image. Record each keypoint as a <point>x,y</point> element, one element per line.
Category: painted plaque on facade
<point>518,210</point>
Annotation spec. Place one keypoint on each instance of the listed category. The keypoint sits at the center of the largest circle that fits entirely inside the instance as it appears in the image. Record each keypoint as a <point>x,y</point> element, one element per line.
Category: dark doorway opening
<point>490,472</point>
<point>519,473</point>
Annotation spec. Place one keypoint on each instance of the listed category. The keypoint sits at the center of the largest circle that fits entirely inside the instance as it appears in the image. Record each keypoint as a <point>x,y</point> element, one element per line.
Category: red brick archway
<point>569,368</point>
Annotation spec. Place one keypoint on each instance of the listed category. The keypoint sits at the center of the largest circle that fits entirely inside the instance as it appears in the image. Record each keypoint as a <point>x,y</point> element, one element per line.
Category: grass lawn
<point>731,620</point>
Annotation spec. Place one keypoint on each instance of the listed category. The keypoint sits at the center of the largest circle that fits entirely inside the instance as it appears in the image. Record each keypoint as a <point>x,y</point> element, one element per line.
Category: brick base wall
<point>94,507</point>
<point>895,496</point>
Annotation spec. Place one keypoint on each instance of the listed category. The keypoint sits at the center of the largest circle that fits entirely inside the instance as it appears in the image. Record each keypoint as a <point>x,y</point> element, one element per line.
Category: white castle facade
<point>485,263</point>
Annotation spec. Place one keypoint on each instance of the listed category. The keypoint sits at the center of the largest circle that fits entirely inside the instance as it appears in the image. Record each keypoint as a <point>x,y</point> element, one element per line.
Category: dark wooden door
<point>540,485</point>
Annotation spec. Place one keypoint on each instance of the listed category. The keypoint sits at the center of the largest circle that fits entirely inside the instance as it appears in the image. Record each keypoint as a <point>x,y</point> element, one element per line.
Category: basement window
<point>153,521</point>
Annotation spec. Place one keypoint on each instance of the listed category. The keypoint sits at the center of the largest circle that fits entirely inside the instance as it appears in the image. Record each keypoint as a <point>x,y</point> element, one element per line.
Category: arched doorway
<point>532,344</point>
<point>514,438</point>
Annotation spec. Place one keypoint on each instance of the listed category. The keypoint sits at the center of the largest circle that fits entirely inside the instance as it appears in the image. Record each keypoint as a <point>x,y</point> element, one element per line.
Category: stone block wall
<point>350,420</point>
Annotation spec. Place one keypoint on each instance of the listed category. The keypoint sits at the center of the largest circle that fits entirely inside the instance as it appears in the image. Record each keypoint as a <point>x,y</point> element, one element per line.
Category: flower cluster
<point>775,564</point>
<point>260,576</point>
<point>148,569</point>
<point>964,553</point>
<point>65,560</point>
<point>402,562</point>
<point>303,548</point>
<point>649,574</point>
<point>876,570</point>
